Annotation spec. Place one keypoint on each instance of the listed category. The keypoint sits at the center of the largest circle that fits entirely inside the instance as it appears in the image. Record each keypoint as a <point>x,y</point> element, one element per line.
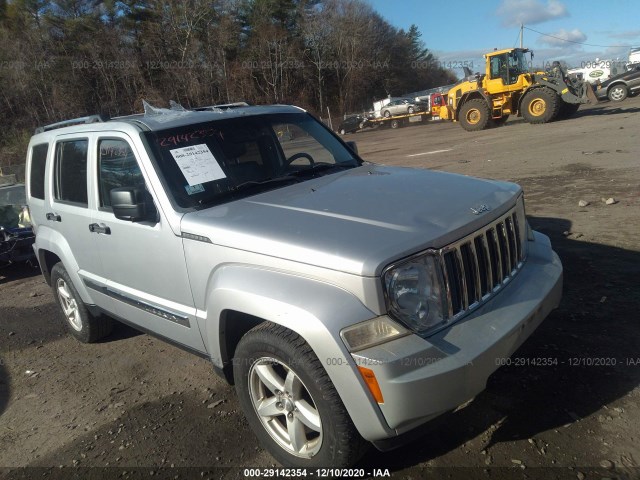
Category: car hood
<point>356,221</point>
<point>626,76</point>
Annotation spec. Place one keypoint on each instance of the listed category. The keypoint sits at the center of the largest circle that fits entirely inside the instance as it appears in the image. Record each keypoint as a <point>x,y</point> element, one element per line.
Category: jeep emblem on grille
<point>480,209</point>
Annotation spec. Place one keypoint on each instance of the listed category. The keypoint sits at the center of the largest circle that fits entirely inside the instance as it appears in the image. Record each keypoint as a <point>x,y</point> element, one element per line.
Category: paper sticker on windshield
<point>193,189</point>
<point>197,163</point>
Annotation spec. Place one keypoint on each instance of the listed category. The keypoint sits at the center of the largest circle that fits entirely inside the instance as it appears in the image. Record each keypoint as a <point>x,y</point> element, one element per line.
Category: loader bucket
<point>590,94</point>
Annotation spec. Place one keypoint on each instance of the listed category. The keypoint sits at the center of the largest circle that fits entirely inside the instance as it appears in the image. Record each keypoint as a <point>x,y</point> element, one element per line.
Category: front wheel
<point>290,402</point>
<point>618,93</point>
<point>474,115</point>
<point>411,110</point>
<point>386,114</point>
<point>540,105</point>
<point>80,322</point>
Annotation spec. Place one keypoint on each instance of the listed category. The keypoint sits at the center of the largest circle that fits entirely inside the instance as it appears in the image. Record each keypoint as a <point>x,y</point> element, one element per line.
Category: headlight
<point>414,293</point>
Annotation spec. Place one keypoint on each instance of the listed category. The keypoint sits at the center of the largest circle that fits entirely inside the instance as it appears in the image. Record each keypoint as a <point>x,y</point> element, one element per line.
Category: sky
<point>462,30</point>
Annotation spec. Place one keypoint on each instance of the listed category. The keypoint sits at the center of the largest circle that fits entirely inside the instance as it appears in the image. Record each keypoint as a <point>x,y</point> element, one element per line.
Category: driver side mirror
<point>132,204</point>
<point>352,145</point>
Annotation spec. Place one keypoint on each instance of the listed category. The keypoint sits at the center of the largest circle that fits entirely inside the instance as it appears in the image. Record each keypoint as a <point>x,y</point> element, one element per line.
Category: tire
<point>386,114</point>
<point>342,131</point>
<point>567,110</point>
<point>411,110</point>
<point>264,373</point>
<point>84,326</point>
<point>618,93</point>
<point>396,124</point>
<point>540,105</point>
<point>474,115</point>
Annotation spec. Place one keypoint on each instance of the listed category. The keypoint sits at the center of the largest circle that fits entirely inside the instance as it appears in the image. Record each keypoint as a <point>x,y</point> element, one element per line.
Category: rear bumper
<point>423,378</point>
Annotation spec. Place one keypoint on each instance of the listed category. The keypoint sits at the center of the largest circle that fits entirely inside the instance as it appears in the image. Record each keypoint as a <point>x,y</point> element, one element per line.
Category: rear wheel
<point>618,93</point>
<point>474,115</point>
<point>540,105</point>
<point>290,402</point>
<point>86,327</point>
<point>395,124</point>
<point>411,110</point>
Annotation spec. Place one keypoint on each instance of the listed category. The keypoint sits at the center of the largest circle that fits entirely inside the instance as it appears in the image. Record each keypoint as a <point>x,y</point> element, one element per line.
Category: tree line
<point>71,58</point>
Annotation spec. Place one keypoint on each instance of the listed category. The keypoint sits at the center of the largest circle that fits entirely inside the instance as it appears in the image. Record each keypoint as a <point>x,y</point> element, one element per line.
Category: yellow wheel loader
<point>508,88</point>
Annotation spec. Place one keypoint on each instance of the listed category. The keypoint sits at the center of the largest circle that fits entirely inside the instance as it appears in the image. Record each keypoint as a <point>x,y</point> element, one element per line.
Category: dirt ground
<point>144,408</point>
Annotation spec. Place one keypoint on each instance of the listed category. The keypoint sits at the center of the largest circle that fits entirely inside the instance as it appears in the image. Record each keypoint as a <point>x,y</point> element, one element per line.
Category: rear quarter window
<point>38,163</point>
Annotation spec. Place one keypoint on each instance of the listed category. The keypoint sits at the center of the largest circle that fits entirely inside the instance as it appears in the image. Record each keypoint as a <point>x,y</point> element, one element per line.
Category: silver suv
<point>348,302</point>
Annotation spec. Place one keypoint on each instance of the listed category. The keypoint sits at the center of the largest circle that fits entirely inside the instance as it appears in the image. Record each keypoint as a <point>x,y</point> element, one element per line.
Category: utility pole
<point>521,35</point>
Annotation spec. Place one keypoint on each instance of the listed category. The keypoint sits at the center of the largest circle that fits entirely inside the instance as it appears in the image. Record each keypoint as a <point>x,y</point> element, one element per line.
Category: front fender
<point>315,310</point>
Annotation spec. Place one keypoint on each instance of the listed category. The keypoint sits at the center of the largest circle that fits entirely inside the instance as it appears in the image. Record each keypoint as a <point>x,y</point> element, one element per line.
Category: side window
<point>117,167</point>
<point>499,67</point>
<point>71,171</point>
<point>38,163</point>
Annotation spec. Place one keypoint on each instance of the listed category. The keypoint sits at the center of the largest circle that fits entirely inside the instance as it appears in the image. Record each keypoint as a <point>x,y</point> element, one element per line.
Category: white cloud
<point>563,38</point>
<point>530,12</point>
<point>628,35</point>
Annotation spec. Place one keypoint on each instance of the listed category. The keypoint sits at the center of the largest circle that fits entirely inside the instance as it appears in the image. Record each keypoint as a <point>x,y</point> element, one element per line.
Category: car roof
<point>163,119</point>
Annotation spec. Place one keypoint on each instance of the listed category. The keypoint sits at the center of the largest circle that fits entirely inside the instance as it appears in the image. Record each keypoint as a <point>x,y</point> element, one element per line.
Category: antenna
<point>521,35</point>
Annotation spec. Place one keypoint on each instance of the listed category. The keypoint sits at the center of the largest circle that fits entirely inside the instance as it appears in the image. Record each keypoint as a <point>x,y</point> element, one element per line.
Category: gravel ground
<point>568,406</point>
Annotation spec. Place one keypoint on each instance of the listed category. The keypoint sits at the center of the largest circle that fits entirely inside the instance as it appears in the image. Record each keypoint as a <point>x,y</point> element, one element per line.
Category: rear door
<point>69,211</point>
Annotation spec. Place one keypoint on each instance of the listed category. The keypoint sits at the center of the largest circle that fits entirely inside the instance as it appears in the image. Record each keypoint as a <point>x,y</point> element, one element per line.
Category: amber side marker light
<point>371,381</point>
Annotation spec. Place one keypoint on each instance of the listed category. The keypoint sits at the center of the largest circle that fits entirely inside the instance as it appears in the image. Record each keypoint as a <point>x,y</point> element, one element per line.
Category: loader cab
<point>505,69</point>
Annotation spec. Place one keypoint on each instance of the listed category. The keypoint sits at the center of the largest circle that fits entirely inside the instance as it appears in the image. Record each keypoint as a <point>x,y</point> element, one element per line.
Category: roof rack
<point>224,106</point>
<point>74,121</point>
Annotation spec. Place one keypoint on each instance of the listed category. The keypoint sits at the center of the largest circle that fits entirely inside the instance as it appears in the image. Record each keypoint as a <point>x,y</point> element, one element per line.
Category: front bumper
<point>421,378</point>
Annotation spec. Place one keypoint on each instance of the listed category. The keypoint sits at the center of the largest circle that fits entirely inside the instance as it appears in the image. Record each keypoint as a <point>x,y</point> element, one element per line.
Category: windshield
<point>518,62</point>
<point>210,163</point>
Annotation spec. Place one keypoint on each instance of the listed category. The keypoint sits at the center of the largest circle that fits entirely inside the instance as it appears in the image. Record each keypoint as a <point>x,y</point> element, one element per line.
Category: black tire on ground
<point>84,326</point>
<point>386,113</point>
<point>396,124</point>
<point>540,105</point>
<point>567,110</point>
<point>618,93</point>
<point>275,372</point>
<point>474,115</point>
<point>498,122</point>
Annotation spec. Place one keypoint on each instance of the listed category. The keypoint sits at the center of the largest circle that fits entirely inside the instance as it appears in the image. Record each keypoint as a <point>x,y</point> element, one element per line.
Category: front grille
<point>479,265</point>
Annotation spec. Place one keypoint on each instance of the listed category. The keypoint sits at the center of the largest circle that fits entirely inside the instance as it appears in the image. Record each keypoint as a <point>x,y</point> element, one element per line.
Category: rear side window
<point>117,167</point>
<point>38,162</point>
<point>71,171</point>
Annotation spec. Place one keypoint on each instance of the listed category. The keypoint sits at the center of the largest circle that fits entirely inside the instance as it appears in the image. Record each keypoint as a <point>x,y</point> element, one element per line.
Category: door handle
<point>99,228</point>
<point>54,216</point>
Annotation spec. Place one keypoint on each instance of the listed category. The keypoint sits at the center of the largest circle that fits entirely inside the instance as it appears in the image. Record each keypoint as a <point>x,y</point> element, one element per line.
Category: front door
<point>143,261</point>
